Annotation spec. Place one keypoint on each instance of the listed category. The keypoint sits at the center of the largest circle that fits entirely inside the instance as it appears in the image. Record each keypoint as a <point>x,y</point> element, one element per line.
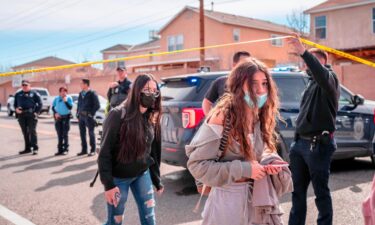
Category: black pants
<point>89,123</point>
<point>62,126</point>
<point>313,165</point>
<point>28,122</point>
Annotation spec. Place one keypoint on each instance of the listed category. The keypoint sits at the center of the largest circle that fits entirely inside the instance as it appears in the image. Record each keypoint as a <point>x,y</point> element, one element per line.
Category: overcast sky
<point>77,30</point>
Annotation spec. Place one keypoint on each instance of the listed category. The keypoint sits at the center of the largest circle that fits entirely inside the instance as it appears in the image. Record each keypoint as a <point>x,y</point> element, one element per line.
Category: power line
<point>55,8</point>
<point>21,14</point>
<point>43,51</point>
<point>98,38</point>
<point>100,17</point>
<point>101,37</point>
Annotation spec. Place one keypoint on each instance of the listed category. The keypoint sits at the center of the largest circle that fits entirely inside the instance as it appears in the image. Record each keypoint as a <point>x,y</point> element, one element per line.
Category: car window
<point>102,100</point>
<point>184,89</point>
<point>345,96</point>
<point>75,98</point>
<point>290,89</point>
<point>41,92</point>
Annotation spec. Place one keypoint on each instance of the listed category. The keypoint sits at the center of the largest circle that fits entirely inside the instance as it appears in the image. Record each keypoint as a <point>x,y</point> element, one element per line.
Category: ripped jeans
<point>143,193</point>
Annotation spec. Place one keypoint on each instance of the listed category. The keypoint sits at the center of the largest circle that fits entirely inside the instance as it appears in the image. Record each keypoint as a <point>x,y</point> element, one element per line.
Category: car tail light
<point>191,117</point>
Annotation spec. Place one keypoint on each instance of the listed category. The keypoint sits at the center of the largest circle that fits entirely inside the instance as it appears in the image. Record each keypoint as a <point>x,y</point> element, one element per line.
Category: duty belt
<point>27,111</point>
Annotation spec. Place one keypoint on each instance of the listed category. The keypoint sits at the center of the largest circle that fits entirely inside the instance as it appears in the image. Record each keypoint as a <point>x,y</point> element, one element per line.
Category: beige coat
<point>222,175</point>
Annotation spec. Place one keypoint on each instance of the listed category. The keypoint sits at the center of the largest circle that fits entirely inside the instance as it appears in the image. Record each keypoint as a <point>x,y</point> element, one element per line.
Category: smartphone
<point>278,165</point>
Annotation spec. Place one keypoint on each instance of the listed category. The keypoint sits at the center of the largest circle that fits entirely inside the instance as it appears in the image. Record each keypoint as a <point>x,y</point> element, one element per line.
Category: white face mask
<point>261,99</point>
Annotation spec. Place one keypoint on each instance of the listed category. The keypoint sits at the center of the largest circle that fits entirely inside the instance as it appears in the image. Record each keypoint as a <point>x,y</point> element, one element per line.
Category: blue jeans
<point>143,193</point>
<point>89,122</point>
<point>311,165</point>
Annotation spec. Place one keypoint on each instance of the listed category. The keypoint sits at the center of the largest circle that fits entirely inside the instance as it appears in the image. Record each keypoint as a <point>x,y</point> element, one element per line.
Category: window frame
<point>275,42</point>
<point>179,46</point>
<point>171,47</point>
<point>236,33</point>
<point>320,27</point>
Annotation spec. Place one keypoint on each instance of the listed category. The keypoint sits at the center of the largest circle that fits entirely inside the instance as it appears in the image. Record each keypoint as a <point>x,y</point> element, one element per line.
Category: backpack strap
<point>220,154</point>
<point>224,139</point>
<point>123,113</point>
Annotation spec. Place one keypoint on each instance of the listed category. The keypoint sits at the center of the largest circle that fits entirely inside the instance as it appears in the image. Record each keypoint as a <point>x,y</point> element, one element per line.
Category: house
<point>182,32</point>
<point>51,80</point>
<point>347,25</point>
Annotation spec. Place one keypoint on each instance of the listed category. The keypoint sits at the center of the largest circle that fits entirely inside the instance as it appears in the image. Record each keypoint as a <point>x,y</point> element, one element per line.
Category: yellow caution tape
<point>337,52</point>
<point>133,57</point>
<point>325,48</point>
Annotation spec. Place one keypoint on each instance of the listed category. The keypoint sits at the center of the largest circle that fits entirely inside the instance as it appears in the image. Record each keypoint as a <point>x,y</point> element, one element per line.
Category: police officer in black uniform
<point>118,91</point>
<point>28,104</point>
<point>311,152</point>
<point>88,104</point>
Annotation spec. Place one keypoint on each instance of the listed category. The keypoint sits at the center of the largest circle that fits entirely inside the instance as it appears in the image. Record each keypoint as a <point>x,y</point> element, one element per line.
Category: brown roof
<point>44,62</point>
<point>335,4</point>
<point>118,47</point>
<point>237,20</point>
<point>149,44</point>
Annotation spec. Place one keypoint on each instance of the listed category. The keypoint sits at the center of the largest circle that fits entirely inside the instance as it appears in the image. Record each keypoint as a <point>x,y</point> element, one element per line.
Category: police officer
<point>311,152</point>
<point>28,104</point>
<point>118,91</point>
<point>88,104</point>
<point>61,108</point>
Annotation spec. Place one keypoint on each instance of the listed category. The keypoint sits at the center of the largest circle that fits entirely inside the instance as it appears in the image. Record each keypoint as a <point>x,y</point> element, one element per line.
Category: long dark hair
<point>233,105</point>
<point>133,128</point>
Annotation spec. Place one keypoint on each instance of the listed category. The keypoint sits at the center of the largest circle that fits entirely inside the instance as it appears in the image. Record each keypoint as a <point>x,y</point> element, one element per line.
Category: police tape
<point>135,57</point>
<point>337,52</point>
<point>331,50</point>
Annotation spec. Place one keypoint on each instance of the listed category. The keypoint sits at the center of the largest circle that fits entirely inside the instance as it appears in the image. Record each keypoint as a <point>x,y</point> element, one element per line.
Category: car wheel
<point>282,149</point>
<point>9,111</point>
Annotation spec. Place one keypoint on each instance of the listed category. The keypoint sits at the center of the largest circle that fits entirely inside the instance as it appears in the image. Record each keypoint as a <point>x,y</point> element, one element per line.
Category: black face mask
<point>148,101</point>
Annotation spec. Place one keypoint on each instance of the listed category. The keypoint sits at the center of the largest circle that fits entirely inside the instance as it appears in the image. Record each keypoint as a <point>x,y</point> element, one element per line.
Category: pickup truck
<point>44,95</point>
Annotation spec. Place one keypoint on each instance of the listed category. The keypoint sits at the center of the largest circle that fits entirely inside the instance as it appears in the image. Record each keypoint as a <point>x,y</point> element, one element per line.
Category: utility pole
<point>201,32</point>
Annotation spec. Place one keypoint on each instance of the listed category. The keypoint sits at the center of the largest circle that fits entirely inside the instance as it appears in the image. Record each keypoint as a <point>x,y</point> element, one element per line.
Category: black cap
<point>121,68</point>
<point>25,82</point>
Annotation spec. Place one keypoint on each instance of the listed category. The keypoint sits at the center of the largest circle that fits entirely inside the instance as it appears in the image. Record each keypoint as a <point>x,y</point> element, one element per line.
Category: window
<point>236,35</point>
<point>373,20</point>
<point>112,65</point>
<point>184,89</point>
<point>179,42</point>
<point>276,42</point>
<point>171,43</point>
<point>320,27</point>
<point>121,64</point>
<point>290,89</point>
<point>175,42</point>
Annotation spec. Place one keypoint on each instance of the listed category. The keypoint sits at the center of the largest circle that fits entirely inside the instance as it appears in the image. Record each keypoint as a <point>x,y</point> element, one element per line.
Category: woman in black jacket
<point>130,152</point>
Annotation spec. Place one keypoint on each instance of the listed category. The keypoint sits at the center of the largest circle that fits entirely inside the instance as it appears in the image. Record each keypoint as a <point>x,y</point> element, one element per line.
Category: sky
<point>77,30</point>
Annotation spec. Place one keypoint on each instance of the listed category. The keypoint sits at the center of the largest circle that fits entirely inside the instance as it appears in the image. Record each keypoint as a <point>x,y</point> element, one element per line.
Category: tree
<point>297,20</point>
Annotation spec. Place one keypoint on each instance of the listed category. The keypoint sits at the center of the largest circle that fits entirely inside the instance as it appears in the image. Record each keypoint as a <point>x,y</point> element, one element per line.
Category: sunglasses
<point>25,85</point>
<point>148,93</point>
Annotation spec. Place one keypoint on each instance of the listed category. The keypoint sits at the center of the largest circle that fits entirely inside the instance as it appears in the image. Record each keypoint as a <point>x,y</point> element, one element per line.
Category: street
<point>48,189</point>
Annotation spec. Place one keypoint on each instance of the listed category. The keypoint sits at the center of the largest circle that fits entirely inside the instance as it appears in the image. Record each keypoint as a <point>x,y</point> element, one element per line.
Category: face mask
<point>147,101</point>
<point>261,99</point>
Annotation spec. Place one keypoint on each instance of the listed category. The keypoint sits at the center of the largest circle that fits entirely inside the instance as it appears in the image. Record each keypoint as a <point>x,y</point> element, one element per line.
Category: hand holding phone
<point>275,167</point>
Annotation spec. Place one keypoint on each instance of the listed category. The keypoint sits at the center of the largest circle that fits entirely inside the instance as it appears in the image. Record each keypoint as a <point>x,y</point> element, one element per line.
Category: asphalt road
<point>45,189</point>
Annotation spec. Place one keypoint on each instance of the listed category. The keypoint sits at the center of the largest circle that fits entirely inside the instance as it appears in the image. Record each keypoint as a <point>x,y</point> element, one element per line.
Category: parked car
<point>182,115</point>
<point>44,95</point>
<point>99,116</point>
